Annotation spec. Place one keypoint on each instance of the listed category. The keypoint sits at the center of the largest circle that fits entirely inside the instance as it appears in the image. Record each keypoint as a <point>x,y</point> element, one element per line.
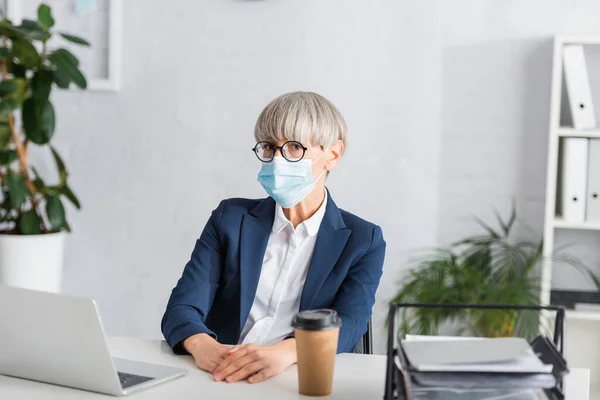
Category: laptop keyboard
<point>129,380</point>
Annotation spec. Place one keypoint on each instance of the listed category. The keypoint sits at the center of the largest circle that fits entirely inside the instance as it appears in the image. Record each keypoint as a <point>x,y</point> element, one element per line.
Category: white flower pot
<point>32,261</point>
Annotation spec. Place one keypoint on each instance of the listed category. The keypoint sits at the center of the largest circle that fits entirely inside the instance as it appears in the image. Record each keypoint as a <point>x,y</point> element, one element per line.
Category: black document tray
<point>402,379</point>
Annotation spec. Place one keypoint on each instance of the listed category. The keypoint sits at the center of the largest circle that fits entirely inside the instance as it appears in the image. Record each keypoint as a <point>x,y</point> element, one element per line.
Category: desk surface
<point>356,377</point>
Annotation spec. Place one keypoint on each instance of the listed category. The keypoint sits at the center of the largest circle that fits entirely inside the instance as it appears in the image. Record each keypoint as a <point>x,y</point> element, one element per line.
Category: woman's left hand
<point>256,362</point>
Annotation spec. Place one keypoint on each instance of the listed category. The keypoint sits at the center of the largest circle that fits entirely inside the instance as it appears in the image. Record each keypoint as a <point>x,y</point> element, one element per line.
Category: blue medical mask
<point>288,183</point>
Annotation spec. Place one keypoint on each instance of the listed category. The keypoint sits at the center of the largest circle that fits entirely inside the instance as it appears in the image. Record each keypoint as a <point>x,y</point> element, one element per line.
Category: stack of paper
<point>504,355</point>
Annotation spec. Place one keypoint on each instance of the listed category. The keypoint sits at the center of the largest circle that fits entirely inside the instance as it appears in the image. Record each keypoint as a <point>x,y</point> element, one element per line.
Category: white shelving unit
<point>582,336</point>
<point>583,315</point>
<point>552,221</point>
<point>570,132</point>
<point>562,224</point>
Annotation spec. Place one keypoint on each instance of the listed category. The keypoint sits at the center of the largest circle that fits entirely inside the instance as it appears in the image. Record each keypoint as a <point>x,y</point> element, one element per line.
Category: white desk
<point>356,377</point>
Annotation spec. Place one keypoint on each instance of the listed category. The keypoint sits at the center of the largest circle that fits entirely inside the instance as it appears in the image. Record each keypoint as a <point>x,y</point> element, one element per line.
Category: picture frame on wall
<point>98,21</point>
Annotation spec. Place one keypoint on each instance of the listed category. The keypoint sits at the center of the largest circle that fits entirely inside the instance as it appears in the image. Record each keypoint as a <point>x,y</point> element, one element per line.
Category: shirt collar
<point>312,224</point>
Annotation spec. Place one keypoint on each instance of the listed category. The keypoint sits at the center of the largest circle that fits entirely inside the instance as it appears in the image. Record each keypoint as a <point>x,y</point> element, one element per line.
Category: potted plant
<point>486,269</point>
<point>32,214</point>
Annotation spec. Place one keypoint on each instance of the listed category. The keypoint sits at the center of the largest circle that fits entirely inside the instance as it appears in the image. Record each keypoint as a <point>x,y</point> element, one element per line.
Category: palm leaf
<point>485,226</point>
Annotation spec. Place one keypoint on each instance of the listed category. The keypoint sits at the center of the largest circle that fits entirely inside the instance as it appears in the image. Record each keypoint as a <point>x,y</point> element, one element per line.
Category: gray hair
<point>306,117</point>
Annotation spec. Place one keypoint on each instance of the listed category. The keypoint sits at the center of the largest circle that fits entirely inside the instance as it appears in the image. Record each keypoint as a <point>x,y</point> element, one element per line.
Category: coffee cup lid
<point>317,320</point>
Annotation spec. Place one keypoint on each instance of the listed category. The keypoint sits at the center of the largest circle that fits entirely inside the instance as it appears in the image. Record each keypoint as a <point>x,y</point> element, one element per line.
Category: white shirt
<point>282,277</point>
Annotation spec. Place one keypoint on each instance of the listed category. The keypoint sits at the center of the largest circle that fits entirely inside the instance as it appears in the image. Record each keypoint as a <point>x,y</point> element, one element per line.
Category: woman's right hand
<point>207,352</point>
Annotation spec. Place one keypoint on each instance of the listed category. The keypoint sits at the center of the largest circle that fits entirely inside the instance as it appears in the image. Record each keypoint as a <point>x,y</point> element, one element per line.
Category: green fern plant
<point>485,269</point>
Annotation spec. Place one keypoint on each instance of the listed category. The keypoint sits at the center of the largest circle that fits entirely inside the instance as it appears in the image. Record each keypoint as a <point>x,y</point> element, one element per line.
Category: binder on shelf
<point>574,179</point>
<point>404,382</point>
<point>578,87</point>
<point>593,186</point>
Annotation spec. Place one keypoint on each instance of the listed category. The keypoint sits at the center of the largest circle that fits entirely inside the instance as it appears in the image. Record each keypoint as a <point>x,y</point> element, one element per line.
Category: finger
<point>222,373</point>
<point>233,367</point>
<point>261,375</point>
<point>246,371</point>
<point>232,358</point>
<point>217,358</point>
<point>233,349</point>
<point>222,354</point>
<point>208,366</point>
<point>211,366</point>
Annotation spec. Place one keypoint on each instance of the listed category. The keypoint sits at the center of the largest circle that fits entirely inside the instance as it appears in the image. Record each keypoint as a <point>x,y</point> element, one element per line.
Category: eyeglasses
<point>292,151</point>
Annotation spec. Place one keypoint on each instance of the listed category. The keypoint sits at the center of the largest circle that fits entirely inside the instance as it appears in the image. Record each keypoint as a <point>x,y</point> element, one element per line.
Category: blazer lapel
<point>255,231</point>
<point>331,240</point>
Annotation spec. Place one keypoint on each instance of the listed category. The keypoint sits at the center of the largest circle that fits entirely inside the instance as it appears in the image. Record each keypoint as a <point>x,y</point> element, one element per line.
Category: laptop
<point>59,339</point>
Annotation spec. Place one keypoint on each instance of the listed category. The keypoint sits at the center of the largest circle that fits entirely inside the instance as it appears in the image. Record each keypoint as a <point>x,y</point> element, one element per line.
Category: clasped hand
<point>253,362</point>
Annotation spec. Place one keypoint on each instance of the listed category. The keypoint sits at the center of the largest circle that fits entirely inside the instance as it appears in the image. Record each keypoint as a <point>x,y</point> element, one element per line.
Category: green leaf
<point>17,189</point>
<point>56,212</point>
<point>44,15</point>
<point>60,165</point>
<point>29,25</point>
<point>8,87</point>
<point>485,226</point>
<point>7,106</point>
<point>595,279</point>
<point>22,91</point>
<point>7,156</point>
<point>38,120</point>
<point>18,71</point>
<point>74,39</point>
<point>48,121</point>
<point>39,184</point>
<point>41,84</point>
<point>33,30</point>
<point>4,135</point>
<point>5,205</point>
<point>61,79</point>
<point>7,29</point>
<point>68,56</point>
<point>66,64</point>
<point>30,117</point>
<point>35,172</point>
<point>39,35</point>
<point>68,193</point>
<point>30,223</point>
<point>4,52</point>
<point>25,52</point>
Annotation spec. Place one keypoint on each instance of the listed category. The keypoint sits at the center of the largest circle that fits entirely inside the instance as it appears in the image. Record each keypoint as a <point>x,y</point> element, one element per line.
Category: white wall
<point>447,104</point>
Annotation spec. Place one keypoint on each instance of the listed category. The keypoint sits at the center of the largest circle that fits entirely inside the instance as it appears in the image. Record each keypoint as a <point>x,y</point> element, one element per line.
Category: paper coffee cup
<point>316,333</point>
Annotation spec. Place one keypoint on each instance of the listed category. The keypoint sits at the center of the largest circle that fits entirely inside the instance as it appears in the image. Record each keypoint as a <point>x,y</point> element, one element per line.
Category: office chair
<point>365,346</point>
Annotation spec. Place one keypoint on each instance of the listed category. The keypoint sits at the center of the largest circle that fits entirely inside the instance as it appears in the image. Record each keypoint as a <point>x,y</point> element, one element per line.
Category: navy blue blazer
<point>218,285</point>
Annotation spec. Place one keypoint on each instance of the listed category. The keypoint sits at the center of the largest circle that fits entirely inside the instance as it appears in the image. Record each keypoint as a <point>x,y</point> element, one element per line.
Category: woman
<point>258,262</point>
